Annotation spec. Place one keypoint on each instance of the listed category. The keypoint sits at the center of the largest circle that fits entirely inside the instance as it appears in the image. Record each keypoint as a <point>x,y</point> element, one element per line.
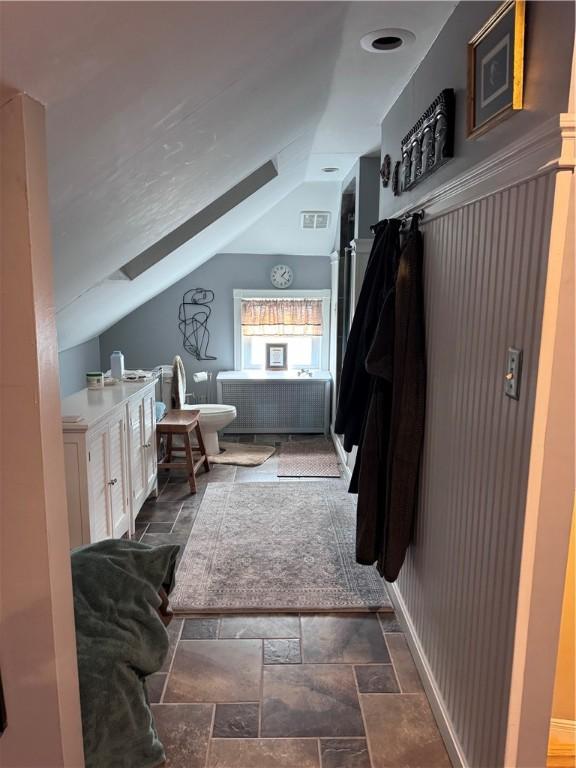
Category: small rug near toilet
<point>243,454</point>
<point>308,458</point>
<point>275,546</point>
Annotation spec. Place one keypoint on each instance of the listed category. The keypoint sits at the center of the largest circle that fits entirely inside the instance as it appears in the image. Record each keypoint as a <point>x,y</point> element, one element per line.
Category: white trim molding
<point>359,255</point>
<point>342,455</point>
<point>443,720</point>
<point>241,294</point>
<point>548,148</point>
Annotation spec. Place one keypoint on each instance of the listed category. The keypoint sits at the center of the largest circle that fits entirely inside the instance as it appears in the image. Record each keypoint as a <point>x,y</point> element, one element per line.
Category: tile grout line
<point>368,747</point>
<point>171,663</point>
<point>392,662</point>
<point>210,732</point>
<point>261,705</point>
<point>319,747</point>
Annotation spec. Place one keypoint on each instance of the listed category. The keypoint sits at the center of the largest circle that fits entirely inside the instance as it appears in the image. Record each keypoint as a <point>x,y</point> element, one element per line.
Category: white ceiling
<point>154,109</point>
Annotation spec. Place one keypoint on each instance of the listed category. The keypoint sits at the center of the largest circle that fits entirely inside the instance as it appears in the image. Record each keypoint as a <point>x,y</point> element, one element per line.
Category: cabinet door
<point>137,453</point>
<point>98,489</point>
<point>149,403</point>
<point>118,482</point>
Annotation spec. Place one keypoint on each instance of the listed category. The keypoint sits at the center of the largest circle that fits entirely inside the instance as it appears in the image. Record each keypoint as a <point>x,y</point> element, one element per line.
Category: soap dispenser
<point>117,365</point>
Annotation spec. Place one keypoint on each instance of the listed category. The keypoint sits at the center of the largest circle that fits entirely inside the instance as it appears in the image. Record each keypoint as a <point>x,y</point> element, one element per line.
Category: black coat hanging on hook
<point>193,316</point>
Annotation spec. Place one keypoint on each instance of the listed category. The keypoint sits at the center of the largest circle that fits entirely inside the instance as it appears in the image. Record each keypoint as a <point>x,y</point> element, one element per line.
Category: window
<point>298,319</point>
<point>303,351</point>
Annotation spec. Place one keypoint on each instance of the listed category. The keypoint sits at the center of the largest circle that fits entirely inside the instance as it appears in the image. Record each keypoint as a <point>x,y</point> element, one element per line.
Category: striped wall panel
<point>485,267</point>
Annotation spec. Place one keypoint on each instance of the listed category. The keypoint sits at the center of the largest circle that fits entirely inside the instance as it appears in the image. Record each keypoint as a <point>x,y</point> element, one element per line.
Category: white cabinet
<point>110,459</point>
<point>117,481</point>
<point>142,446</point>
<point>98,445</point>
<point>137,451</point>
<point>150,458</point>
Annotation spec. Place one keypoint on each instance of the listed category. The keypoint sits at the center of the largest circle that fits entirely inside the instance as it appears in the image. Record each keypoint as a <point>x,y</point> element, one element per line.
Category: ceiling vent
<point>315,219</point>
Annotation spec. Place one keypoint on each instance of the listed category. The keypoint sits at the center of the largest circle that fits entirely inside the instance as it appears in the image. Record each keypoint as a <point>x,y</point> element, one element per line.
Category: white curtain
<point>282,317</point>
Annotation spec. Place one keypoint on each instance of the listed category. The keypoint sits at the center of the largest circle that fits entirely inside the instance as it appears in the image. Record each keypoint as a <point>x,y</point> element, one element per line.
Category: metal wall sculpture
<point>385,170</point>
<point>193,317</point>
<point>430,143</point>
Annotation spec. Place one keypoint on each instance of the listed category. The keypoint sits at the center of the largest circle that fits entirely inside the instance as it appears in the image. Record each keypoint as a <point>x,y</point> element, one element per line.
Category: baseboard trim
<point>342,455</point>
<point>451,741</point>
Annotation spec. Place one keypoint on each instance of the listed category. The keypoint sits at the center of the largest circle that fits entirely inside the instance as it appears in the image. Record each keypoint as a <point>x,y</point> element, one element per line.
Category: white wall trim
<point>342,455</point>
<point>334,271</point>
<point>437,704</point>
<point>548,148</point>
<point>360,253</point>
<point>287,293</point>
<point>264,293</point>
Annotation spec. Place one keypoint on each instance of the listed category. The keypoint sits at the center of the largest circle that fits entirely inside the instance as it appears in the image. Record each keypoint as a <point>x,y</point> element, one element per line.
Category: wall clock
<point>281,276</point>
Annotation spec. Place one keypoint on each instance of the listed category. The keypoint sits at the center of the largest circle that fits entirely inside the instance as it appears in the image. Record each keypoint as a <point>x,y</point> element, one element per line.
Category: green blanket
<point>120,639</point>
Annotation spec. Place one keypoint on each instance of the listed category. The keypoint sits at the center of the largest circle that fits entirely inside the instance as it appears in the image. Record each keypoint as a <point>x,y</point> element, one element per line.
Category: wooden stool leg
<point>169,447</point>
<point>202,447</point>
<point>190,462</point>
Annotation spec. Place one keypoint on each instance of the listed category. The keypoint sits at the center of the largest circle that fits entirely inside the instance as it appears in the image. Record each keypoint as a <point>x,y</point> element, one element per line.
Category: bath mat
<point>308,458</point>
<point>275,546</point>
<point>243,454</point>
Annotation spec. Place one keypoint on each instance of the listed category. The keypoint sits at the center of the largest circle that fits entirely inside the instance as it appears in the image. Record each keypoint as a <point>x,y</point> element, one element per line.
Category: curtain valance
<point>282,317</point>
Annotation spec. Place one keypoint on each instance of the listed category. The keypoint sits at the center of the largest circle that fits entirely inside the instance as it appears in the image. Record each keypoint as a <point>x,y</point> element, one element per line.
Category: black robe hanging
<point>355,381</point>
<point>389,455</point>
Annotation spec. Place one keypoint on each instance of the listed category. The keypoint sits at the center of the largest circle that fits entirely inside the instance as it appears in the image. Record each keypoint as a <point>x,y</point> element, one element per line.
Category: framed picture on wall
<point>276,357</point>
<point>496,68</point>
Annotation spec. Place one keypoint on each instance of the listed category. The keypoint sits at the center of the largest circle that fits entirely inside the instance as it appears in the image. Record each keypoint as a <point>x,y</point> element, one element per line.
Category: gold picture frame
<point>496,68</point>
<point>276,357</point>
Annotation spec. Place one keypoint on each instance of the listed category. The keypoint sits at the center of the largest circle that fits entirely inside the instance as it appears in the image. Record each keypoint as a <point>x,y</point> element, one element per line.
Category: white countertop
<point>92,404</point>
<point>259,375</point>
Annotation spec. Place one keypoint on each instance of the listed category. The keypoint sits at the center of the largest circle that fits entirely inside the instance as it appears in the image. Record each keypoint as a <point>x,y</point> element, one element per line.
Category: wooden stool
<point>182,422</point>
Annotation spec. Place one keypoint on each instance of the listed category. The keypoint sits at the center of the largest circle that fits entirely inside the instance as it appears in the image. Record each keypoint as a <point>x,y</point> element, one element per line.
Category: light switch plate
<point>513,373</point>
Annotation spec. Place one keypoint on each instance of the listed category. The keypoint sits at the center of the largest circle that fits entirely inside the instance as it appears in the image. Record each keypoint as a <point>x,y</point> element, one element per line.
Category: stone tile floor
<point>282,691</point>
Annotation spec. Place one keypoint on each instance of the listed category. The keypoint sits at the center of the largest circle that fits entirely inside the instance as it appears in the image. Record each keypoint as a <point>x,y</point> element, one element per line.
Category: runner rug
<point>273,547</point>
<point>308,458</point>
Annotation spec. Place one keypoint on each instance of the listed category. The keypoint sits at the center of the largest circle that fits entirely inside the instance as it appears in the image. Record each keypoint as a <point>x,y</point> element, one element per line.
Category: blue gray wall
<point>150,335</point>
<point>75,363</point>
<point>548,51</point>
<point>366,177</point>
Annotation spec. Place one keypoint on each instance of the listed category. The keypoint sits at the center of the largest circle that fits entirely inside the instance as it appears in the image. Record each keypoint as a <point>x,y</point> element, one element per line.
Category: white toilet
<point>213,416</point>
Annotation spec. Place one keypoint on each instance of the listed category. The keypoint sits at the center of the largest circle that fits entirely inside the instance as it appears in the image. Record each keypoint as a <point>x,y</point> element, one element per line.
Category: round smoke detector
<point>388,39</point>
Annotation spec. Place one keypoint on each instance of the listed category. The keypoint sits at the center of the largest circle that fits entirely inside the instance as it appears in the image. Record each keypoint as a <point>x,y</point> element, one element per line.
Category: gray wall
<point>366,176</point>
<point>75,363</point>
<point>150,336</point>
<point>549,42</point>
<point>367,195</point>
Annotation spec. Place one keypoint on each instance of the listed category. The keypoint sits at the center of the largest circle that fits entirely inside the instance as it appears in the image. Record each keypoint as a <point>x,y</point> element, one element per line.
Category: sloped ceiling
<point>279,230</point>
<point>154,109</point>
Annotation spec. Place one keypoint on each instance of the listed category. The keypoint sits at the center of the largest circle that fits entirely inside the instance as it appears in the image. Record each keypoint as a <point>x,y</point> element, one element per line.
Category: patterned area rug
<point>243,454</point>
<point>275,546</point>
<point>308,458</point>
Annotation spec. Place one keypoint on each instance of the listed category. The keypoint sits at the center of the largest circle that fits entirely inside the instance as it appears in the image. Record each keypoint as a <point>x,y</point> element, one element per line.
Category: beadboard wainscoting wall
<point>487,245</point>
<point>485,265</point>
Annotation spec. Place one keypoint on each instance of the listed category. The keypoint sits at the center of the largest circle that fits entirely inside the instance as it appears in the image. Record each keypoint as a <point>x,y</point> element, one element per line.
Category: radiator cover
<point>277,406</point>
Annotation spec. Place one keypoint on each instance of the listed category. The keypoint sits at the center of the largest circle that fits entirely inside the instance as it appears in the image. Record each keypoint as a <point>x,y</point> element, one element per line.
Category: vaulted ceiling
<point>155,109</point>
